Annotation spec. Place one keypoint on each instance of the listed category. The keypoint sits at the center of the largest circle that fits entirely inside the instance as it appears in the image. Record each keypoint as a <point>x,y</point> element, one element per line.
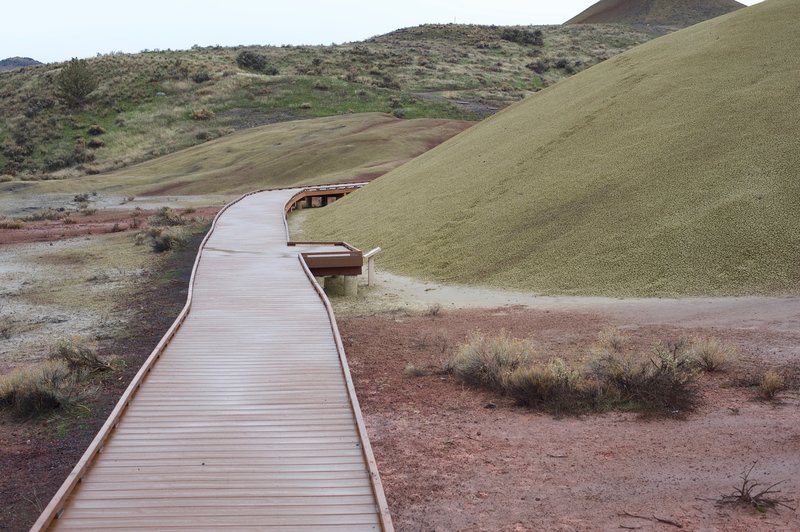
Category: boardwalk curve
<point>245,415</point>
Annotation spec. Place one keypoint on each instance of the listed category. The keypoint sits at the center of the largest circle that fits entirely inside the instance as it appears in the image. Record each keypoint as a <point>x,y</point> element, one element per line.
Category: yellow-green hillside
<point>671,169</point>
<point>341,148</point>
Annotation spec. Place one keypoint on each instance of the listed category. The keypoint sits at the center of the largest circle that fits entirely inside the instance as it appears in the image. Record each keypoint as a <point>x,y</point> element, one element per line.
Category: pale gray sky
<point>56,30</point>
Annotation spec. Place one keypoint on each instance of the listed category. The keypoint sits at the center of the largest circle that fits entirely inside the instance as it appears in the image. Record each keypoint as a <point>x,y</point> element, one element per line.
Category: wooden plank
<point>244,416</point>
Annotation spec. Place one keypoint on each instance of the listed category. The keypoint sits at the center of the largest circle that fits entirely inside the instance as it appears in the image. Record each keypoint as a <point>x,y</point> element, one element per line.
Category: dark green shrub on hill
<point>520,36</point>
<point>256,62</point>
<point>75,82</point>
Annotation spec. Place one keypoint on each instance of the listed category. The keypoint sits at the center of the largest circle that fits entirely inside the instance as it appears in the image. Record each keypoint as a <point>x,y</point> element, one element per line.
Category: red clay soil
<point>105,221</point>
<point>37,455</point>
<point>455,458</point>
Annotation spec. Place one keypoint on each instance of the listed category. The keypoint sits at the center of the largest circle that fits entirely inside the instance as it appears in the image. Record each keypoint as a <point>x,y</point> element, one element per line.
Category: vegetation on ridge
<point>158,102</point>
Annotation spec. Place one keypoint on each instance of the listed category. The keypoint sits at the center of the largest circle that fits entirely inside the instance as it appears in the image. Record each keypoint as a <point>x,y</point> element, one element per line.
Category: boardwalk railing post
<point>370,256</point>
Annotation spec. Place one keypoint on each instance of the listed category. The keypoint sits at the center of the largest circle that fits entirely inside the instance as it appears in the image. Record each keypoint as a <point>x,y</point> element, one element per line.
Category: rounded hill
<point>668,170</point>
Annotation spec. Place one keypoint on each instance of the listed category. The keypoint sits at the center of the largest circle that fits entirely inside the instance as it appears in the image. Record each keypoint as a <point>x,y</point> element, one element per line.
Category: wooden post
<point>370,256</point>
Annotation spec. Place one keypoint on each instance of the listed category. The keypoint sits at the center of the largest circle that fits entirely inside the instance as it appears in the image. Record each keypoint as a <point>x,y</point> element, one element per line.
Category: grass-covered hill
<point>670,169</point>
<point>158,102</point>
<point>680,13</point>
<point>353,147</point>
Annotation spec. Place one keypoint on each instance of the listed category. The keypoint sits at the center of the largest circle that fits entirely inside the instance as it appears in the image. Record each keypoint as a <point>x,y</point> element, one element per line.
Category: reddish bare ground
<point>455,458</point>
<point>101,222</point>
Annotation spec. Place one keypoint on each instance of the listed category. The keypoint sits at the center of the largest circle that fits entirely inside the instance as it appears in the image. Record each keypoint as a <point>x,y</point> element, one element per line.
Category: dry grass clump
<point>35,390</point>
<point>162,239</point>
<point>661,382</point>
<point>489,360</point>
<point>771,385</point>
<point>47,214</point>
<point>552,386</point>
<point>611,340</point>
<point>11,223</point>
<point>711,354</point>
<point>79,356</point>
<point>166,217</point>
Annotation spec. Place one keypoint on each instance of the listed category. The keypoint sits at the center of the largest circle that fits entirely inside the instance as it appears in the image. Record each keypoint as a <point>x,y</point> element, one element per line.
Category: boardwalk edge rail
<point>56,504</point>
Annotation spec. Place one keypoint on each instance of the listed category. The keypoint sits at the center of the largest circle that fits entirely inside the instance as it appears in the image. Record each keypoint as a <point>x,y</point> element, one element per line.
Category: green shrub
<point>489,361</point>
<point>75,82</point>
<point>201,77</point>
<point>36,390</point>
<point>95,130</point>
<point>256,62</point>
<point>520,36</point>
<point>161,239</point>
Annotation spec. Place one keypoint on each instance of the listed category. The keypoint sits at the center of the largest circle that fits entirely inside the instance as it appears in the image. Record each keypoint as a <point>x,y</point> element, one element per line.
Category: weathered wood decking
<point>247,417</point>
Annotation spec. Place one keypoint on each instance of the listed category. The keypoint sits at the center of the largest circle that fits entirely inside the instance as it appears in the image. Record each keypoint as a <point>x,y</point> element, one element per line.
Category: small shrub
<point>95,144</point>
<point>78,356</point>
<point>554,386</point>
<point>47,214</point>
<point>201,77</point>
<point>162,240</point>
<point>414,371</point>
<point>433,310</point>
<point>399,113</point>
<point>95,130</point>
<point>710,354</point>
<point>202,114</point>
<point>8,327</point>
<point>75,82</point>
<point>489,361</point>
<point>757,495</point>
<point>771,385</point>
<point>256,62</point>
<point>320,86</point>
<point>520,36</point>
<point>611,340</point>
<point>166,217</point>
<point>305,105</point>
<point>5,178</point>
<point>11,223</point>
<point>660,384</point>
<point>36,390</point>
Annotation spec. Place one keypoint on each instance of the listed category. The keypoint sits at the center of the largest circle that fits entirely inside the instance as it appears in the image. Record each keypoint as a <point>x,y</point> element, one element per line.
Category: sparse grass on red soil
<point>454,457</point>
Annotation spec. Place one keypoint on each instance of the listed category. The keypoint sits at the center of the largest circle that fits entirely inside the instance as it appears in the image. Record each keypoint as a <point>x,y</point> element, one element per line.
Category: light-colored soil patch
<point>65,288</point>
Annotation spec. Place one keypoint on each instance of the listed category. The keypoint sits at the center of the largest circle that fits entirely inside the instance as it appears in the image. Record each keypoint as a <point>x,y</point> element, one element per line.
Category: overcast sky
<point>56,30</point>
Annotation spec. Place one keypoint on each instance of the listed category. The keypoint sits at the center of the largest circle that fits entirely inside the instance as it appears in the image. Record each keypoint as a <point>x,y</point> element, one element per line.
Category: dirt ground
<point>455,458</point>
<point>123,303</point>
<point>451,457</point>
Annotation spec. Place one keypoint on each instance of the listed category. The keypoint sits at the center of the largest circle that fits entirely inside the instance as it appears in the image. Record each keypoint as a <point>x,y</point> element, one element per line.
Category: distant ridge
<point>13,63</point>
<point>681,13</point>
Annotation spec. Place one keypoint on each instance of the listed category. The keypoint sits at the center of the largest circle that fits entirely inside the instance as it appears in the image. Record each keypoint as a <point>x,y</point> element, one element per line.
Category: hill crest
<point>13,63</point>
<point>680,13</point>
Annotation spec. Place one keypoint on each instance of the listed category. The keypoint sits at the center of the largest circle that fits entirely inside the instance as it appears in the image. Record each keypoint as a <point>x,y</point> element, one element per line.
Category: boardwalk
<point>247,419</point>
